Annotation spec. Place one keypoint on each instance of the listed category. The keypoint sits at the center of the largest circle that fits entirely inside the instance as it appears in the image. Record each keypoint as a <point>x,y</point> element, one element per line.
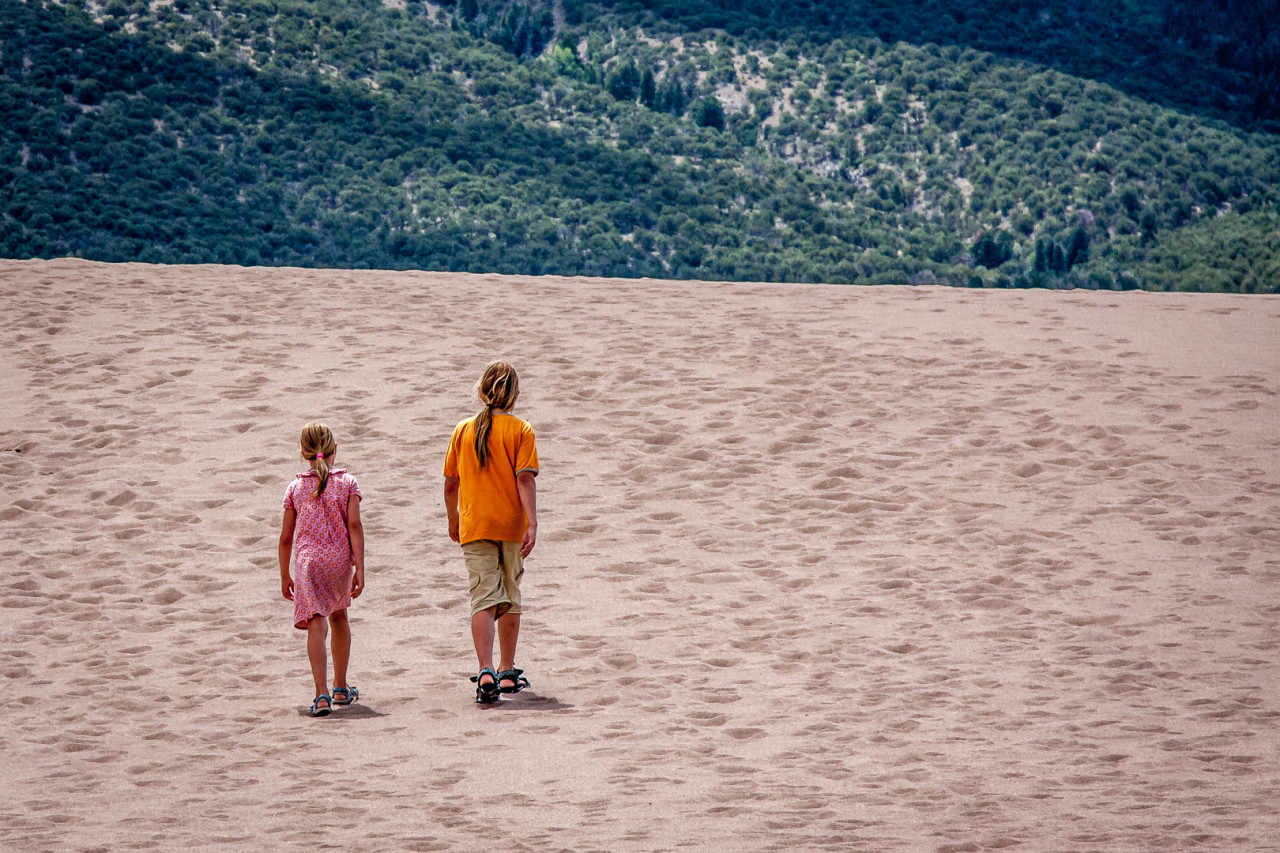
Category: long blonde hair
<point>318,448</point>
<point>497,389</point>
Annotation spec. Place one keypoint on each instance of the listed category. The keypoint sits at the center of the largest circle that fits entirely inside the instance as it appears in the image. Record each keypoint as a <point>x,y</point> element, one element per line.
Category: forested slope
<point>839,142</point>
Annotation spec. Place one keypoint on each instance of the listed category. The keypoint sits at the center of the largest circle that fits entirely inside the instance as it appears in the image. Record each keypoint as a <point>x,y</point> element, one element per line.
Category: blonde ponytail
<point>318,447</point>
<point>498,389</point>
<point>484,423</point>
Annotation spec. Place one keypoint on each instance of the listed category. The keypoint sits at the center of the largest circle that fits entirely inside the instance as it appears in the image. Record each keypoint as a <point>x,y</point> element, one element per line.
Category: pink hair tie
<point>319,455</point>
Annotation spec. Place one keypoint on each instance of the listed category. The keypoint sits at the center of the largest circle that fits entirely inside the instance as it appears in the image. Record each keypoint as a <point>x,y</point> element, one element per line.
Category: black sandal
<point>486,694</point>
<point>517,679</point>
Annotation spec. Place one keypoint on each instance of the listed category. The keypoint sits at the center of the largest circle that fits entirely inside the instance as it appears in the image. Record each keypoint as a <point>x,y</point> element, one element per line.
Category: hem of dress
<point>302,626</point>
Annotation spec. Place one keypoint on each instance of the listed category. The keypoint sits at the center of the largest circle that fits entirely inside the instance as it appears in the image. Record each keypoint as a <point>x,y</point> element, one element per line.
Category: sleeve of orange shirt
<point>527,452</point>
<point>451,456</point>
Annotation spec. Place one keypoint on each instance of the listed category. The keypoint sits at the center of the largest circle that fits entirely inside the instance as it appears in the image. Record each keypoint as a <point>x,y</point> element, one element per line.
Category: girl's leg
<point>341,644</point>
<point>317,629</point>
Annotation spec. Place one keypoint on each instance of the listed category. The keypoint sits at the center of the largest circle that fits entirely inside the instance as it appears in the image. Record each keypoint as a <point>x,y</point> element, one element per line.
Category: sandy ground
<point>820,568</point>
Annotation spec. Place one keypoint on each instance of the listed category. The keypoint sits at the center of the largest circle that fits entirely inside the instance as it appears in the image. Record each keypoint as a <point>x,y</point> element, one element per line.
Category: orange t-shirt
<point>488,504</point>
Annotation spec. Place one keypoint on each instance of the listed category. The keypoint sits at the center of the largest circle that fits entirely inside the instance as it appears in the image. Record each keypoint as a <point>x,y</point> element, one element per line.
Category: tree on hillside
<point>709,113</point>
<point>624,81</point>
<point>991,252</point>
<point>1077,247</point>
<point>671,98</point>
<point>648,88</point>
<point>524,30</point>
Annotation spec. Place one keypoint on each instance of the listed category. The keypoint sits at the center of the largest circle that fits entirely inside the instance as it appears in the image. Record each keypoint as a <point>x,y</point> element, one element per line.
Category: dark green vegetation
<point>998,143</point>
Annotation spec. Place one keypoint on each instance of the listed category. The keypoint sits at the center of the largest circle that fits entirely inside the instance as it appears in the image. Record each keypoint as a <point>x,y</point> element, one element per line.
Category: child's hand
<point>453,529</point>
<point>357,583</point>
<point>529,540</point>
<point>286,587</point>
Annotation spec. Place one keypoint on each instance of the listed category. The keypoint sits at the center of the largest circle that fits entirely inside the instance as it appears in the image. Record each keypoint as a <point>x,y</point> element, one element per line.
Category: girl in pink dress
<point>322,519</point>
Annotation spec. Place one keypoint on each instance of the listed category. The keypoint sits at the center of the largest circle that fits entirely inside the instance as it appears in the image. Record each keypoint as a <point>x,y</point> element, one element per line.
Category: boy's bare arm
<point>527,488</point>
<point>451,506</point>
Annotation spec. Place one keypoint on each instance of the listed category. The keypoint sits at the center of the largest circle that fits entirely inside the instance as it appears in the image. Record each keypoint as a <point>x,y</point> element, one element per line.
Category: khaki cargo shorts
<point>494,570</point>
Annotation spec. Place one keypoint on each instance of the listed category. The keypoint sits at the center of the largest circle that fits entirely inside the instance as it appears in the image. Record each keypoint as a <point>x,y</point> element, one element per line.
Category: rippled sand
<point>882,569</point>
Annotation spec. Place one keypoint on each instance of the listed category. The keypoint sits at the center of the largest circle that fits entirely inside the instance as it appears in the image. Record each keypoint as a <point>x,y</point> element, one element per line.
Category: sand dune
<point>883,569</point>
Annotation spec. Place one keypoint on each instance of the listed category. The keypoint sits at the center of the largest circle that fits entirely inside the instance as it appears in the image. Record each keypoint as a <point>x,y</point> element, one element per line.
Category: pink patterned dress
<point>322,558</point>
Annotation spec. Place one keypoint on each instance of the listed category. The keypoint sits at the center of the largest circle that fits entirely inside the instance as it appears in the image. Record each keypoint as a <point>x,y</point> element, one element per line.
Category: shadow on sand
<point>346,712</point>
<point>526,700</point>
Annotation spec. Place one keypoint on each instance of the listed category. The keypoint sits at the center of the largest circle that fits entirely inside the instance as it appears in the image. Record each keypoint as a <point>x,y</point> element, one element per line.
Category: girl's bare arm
<point>286,552</point>
<point>355,530</point>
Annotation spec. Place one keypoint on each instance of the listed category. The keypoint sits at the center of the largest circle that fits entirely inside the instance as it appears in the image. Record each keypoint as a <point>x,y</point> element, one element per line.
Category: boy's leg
<point>482,633</point>
<point>317,631</point>
<point>508,634</point>
<point>484,573</point>
<point>341,645</point>
<point>509,622</point>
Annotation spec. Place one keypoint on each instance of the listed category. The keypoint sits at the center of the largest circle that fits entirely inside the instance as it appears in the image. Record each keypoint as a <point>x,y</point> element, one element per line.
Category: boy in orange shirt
<point>491,498</point>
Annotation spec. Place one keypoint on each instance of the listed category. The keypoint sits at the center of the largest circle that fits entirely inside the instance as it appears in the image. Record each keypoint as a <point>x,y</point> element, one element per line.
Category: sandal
<point>487,693</point>
<point>316,710</point>
<point>349,695</point>
<point>517,679</point>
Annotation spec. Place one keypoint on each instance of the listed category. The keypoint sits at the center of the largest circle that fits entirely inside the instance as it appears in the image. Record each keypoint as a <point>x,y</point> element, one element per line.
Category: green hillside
<point>982,144</point>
